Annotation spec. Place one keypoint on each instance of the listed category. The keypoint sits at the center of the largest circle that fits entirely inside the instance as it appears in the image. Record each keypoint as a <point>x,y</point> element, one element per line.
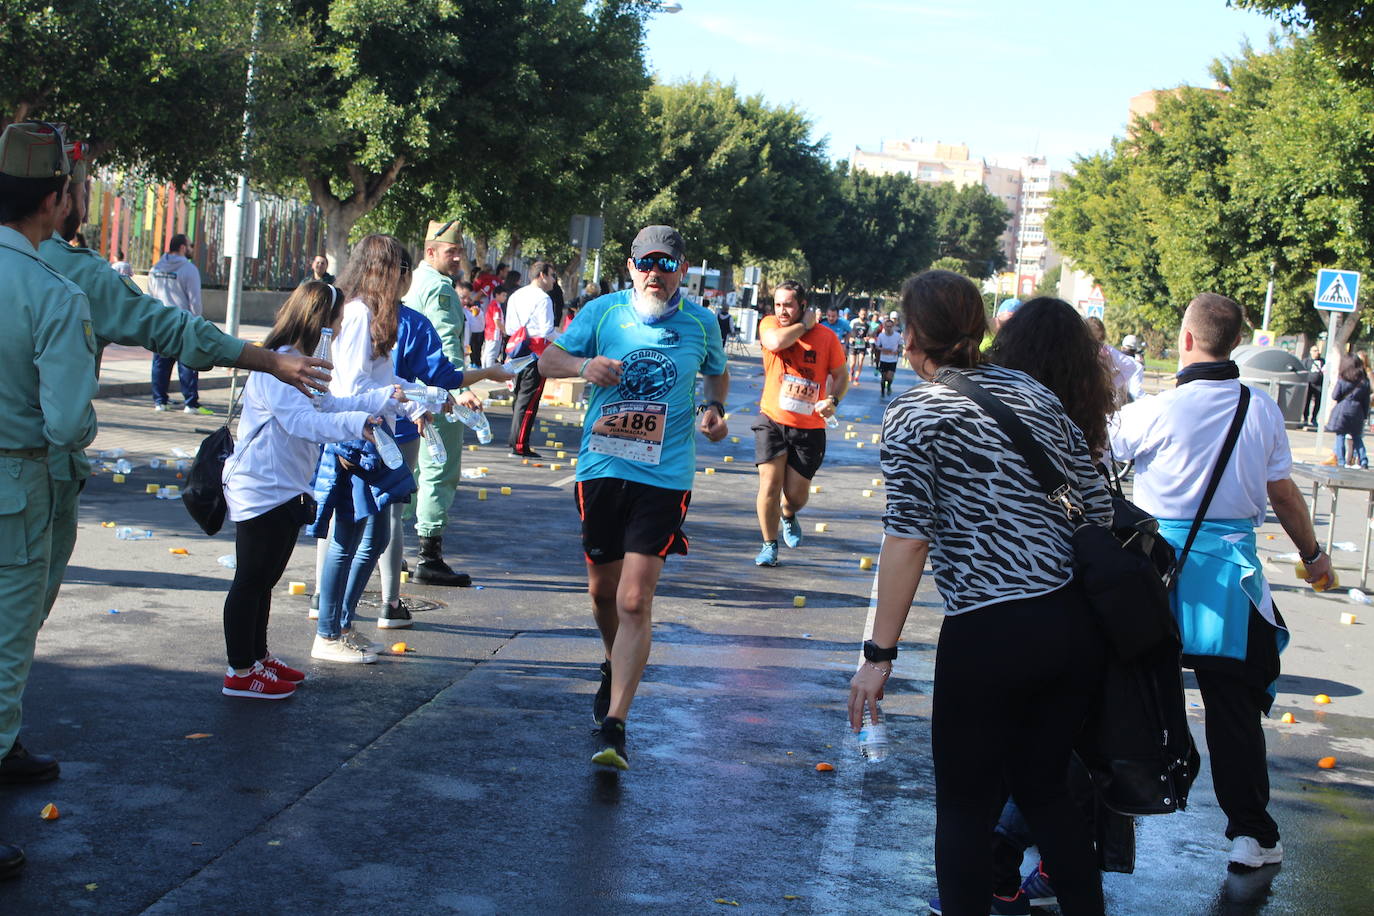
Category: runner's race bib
<point>632,430</point>
<point>799,395</point>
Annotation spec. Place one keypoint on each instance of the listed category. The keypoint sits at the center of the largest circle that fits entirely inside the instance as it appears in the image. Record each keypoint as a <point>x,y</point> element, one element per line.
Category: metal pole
<point>1333,366</point>
<point>234,306</point>
<point>1268,297</point>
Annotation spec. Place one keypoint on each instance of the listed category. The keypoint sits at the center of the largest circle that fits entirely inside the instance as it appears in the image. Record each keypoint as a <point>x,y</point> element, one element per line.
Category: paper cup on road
<point>867,493</point>
<point>815,488</point>
<point>295,588</point>
<point>822,527</point>
<point>1348,619</point>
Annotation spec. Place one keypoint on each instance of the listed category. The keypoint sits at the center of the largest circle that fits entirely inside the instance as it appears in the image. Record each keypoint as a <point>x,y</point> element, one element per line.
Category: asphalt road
<point>455,778</point>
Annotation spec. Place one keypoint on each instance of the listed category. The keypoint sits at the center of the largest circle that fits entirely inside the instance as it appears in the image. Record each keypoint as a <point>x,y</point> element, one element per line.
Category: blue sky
<point>1005,77</point>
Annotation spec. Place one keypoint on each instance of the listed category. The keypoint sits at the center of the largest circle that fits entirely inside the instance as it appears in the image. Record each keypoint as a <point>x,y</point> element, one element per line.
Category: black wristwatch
<point>876,653</point>
<point>1315,556</point>
<point>720,408</point>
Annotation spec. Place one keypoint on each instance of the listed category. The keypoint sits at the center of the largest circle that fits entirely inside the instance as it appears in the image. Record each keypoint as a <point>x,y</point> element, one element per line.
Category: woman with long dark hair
<point>1018,644</point>
<point>353,486</point>
<point>1349,411</point>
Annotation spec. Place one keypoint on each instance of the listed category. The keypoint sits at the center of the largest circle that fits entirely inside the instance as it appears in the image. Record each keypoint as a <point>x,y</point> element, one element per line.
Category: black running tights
<point>262,546</point>
<point>1013,685</point>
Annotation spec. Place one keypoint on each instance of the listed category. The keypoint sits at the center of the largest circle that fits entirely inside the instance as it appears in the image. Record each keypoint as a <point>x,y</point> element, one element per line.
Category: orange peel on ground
<point>1321,699</point>
<point>824,767</point>
<point>49,812</point>
<point>1288,718</point>
<point>1327,763</point>
<point>399,648</point>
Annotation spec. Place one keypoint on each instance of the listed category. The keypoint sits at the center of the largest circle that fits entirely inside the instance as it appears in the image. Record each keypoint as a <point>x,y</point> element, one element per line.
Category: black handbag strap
<point>1049,477</point>
<point>1223,457</point>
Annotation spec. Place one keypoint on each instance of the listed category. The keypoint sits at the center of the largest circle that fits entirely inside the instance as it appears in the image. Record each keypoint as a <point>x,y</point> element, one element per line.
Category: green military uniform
<point>432,295</point>
<point>122,314</point>
<point>47,346</point>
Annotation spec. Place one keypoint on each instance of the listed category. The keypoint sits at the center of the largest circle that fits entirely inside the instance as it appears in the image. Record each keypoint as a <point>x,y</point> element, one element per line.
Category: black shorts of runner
<point>886,366</point>
<point>804,448</point>
<point>625,516</point>
<point>858,346</point>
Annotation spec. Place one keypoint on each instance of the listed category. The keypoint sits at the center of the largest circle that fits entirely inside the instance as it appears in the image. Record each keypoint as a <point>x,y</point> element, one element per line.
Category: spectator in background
<point>1315,364</point>
<point>485,282</point>
<point>176,281</point>
<point>319,270</point>
<point>530,327</point>
<point>494,328</point>
<point>1128,376</point>
<point>121,265</point>
<point>475,321</point>
<point>511,281</point>
<point>727,325</point>
<point>1349,412</point>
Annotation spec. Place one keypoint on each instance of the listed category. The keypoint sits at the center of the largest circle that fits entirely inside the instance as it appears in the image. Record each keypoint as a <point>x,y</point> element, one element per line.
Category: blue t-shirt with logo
<point>841,327</point>
<point>644,429</point>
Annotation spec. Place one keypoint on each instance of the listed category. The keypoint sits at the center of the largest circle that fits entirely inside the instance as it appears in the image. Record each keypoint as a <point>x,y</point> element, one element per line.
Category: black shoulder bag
<point>203,495</point>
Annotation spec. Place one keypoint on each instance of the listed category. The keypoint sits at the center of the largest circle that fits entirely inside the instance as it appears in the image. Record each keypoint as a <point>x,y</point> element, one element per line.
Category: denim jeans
<point>355,545</point>
<point>1361,458</point>
<point>162,374</point>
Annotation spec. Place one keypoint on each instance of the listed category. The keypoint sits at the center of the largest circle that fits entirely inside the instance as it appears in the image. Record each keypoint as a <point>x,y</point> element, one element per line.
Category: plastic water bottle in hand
<point>474,420</point>
<point>387,448</point>
<point>431,397</point>
<point>514,366</point>
<point>436,444</point>
<point>323,399</point>
<point>873,745</point>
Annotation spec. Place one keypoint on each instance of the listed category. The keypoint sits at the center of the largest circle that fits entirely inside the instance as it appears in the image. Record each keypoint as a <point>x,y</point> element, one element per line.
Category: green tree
<point>735,175</point>
<point>969,223</point>
<point>1341,27</point>
<point>490,109</point>
<point>152,85</point>
<point>873,232</point>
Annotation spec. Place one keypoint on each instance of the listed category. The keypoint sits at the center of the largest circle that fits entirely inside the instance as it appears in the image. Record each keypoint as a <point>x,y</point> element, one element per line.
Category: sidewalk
<point>126,371</point>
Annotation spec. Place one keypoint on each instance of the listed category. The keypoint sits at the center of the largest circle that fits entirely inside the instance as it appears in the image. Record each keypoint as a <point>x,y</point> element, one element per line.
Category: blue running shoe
<point>768,556</point>
<point>1037,888</point>
<point>1000,906</point>
<point>791,531</point>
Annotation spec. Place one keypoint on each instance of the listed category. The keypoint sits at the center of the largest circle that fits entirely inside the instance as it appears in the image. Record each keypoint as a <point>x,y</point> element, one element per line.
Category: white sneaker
<point>337,650</point>
<point>1246,850</point>
<point>163,406</point>
<point>360,642</point>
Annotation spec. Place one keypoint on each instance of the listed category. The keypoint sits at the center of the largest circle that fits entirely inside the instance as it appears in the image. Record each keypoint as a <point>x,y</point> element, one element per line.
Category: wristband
<point>876,653</point>
<point>1315,556</point>
<point>720,408</point>
<point>582,373</point>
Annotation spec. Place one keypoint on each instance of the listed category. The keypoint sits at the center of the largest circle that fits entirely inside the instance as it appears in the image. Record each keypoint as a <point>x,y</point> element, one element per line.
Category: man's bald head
<point>1215,323</point>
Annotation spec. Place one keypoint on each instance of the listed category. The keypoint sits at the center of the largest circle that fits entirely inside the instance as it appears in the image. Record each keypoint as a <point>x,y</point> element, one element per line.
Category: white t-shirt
<point>889,346</point>
<point>531,308</point>
<point>1175,437</point>
<point>476,323</point>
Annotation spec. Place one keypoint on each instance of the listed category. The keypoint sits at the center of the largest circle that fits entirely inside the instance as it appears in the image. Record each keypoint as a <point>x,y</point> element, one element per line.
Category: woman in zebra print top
<point>1019,658</point>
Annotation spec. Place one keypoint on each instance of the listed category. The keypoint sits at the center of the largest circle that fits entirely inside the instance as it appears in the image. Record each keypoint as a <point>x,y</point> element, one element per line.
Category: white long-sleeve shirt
<point>356,370</point>
<point>278,441</point>
<point>1128,376</point>
<point>531,308</point>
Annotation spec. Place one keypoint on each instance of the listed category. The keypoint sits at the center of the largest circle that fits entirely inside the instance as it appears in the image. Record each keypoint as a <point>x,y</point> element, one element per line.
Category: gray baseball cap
<point>658,240</point>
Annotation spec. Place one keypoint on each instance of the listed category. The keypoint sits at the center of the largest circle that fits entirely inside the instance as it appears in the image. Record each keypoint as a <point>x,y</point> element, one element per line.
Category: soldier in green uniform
<point>432,294</point>
<point>47,347</point>
<point>123,314</point>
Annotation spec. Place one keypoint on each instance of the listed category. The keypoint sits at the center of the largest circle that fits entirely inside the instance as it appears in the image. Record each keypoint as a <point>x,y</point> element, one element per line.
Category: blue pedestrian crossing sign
<point>1337,290</point>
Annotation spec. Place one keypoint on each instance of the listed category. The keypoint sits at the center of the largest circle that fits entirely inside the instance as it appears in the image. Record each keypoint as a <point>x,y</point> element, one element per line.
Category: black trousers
<point>1013,686</point>
<point>529,389</point>
<point>262,547</point>
<point>1235,744</point>
<point>1311,408</point>
<point>475,341</point>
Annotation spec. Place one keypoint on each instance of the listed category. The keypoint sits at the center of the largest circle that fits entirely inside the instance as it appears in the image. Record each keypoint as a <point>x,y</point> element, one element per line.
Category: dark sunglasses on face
<point>663,262</point>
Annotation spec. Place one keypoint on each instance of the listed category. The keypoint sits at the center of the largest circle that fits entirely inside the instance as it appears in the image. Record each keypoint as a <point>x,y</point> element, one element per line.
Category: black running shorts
<point>804,448</point>
<point>625,516</point>
<point>887,367</point>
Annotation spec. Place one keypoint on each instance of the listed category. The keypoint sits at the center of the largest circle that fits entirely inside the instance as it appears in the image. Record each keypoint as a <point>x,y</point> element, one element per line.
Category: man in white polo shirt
<point>1232,633</point>
<point>529,330</point>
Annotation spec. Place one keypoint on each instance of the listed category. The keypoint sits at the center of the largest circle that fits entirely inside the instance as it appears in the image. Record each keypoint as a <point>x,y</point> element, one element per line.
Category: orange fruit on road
<point>1327,763</point>
<point>824,767</point>
<point>1321,699</point>
<point>399,648</point>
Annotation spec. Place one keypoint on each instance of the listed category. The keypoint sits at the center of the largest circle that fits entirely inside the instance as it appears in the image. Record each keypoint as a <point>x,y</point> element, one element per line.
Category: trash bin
<point>1279,374</point>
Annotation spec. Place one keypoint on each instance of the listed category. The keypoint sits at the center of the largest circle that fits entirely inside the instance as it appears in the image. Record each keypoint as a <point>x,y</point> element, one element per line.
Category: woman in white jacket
<point>267,482</point>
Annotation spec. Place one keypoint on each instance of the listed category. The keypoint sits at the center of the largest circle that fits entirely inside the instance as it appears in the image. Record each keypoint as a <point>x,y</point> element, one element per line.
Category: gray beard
<point>650,306</point>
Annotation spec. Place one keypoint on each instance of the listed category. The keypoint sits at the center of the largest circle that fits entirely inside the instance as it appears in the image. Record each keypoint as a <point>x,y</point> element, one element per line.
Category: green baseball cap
<point>33,149</point>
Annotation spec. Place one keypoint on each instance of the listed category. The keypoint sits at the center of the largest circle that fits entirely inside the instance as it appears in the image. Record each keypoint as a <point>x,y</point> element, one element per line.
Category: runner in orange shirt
<point>804,379</point>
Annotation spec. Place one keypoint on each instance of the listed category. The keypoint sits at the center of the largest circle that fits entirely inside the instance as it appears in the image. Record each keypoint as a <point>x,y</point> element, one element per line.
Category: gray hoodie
<point>176,281</point>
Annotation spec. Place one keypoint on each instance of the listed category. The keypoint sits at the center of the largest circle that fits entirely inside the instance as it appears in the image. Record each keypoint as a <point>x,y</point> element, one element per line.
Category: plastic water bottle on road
<point>476,421</point>
<point>323,399</point>
<point>387,448</point>
<point>873,746</point>
<point>133,534</point>
<point>1355,596</point>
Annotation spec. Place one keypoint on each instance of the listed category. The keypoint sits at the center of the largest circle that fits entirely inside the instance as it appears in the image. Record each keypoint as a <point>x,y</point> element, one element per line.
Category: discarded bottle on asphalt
<point>323,400</point>
<point>474,420</point>
<point>111,453</point>
<point>436,444</point>
<point>1355,596</point>
<point>122,466</point>
<point>228,561</point>
<point>873,738</point>
<point>133,534</point>
<point>387,448</point>
<point>514,366</point>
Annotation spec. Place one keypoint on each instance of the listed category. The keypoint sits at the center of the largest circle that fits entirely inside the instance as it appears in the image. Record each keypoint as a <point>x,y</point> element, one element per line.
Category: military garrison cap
<point>33,149</point>
<point>444,232</point>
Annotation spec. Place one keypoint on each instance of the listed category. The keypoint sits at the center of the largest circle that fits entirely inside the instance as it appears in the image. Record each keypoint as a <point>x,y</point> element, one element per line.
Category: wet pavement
<point>455,778</point>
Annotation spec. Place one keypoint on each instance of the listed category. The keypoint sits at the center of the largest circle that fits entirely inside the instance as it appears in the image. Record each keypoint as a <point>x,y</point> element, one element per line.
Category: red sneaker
<point>282,670</point>
<point>259,684</point>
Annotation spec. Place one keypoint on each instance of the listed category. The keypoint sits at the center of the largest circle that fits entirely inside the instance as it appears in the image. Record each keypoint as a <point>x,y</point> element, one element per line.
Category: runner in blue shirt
<point>839,325</point>
<point>641,350</point>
